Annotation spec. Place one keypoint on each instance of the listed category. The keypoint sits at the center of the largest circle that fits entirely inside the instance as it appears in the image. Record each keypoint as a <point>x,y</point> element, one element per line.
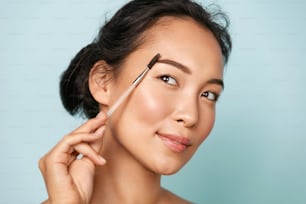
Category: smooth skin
<point>170,100</point>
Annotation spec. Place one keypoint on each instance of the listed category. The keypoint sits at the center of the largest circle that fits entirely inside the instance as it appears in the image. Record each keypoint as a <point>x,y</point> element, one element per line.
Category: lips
<point>176,143</point>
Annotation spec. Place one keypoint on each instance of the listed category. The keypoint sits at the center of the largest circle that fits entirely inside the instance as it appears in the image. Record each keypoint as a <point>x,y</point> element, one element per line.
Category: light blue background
<point>257,151</point>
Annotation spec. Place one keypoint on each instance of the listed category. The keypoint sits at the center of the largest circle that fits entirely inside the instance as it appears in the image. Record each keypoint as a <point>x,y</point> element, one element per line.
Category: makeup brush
<point>133,86</point>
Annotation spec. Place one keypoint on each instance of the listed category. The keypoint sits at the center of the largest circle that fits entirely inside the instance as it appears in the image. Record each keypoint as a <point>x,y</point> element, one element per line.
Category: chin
<point>166,167</point>
<point>168,170</point>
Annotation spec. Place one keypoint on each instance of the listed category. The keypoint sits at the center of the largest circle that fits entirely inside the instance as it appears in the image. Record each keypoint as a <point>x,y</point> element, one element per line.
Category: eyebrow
<point>175,64</point>
<point>216,81</point>
<point>188,71</point>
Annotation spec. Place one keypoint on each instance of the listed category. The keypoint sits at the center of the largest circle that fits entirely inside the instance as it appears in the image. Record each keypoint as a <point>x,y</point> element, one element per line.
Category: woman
<point>160,125</point>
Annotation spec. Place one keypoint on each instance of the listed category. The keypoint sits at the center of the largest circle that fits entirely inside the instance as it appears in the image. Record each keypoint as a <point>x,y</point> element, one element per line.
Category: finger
<point>74,156</point>
<point>90,153</point>
<point>92,124</point>
<point>64,150</point>
<point>96,145</point>
<point>69,141</point>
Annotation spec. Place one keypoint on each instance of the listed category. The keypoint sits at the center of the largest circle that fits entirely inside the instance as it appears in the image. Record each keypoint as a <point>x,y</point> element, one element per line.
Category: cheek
<point>208,124</point>
<point>205,125</point>
<point>150,105</point>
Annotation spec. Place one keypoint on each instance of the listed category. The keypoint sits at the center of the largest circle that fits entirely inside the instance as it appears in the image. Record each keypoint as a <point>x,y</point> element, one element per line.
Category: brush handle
<point>133,86</point>
<point>127,92</point>
<point>120,100</point>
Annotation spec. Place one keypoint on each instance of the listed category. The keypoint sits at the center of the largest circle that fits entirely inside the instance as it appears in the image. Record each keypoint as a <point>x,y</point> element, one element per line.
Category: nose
<point>186,112</point>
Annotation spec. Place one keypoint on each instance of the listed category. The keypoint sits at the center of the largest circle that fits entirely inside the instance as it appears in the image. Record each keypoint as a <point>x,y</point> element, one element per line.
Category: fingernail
<point>101,114</point>
<point>102,160</point>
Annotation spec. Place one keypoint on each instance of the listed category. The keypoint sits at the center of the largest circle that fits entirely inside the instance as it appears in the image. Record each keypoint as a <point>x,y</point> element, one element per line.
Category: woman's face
<point>172,111</point>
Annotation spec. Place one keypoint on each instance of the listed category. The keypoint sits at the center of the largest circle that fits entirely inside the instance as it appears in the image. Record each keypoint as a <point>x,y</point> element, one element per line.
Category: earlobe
<point>99,82</point>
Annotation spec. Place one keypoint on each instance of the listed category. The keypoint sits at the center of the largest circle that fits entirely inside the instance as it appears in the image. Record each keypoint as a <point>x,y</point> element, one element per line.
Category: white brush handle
<point>120,100</point>
<point>126,93</point>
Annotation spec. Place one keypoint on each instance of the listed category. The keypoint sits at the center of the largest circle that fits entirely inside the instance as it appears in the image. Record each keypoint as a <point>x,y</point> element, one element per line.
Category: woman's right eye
<point>168,79</point>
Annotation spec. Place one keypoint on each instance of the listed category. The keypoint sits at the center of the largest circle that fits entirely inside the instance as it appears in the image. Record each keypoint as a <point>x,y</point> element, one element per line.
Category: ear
<point>99,82</point>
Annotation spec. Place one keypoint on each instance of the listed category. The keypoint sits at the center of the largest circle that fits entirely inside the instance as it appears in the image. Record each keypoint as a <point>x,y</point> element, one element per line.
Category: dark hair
<point>121,35</point>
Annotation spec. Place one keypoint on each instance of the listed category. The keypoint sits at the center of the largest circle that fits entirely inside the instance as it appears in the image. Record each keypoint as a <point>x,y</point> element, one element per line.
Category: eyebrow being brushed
<point>188,71</point>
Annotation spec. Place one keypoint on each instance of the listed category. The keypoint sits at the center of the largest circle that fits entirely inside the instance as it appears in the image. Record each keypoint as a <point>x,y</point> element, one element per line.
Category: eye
<point>168,79</point>
<point>210,95</point>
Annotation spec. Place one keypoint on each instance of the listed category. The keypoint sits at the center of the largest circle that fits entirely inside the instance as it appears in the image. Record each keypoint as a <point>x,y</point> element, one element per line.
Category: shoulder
<point>170,197</point>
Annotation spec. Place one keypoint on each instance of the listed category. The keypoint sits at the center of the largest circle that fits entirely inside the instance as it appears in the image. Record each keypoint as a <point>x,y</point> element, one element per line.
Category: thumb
<point>96,145</point>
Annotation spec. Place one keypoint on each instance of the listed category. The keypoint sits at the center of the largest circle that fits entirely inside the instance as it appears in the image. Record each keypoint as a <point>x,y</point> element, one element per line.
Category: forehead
<point>185,39</point>
<point>180,39</point>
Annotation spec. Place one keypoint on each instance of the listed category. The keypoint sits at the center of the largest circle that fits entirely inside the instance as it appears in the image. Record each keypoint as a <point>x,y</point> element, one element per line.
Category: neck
<point>123,179</point>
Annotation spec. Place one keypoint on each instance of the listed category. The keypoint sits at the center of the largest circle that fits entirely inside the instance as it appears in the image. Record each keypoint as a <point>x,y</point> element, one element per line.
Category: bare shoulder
<point>170,197</point>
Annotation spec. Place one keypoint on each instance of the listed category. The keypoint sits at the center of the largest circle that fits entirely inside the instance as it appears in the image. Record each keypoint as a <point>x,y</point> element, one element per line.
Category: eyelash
<point>165,78</point>
<point>206,94</point>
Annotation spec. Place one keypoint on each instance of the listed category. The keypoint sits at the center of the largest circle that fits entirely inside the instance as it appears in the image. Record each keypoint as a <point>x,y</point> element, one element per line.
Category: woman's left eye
<point>210,95</point>
<point>168,79</point>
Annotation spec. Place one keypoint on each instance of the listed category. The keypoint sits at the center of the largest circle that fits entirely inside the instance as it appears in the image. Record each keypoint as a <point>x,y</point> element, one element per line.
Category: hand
<point>68,178</point>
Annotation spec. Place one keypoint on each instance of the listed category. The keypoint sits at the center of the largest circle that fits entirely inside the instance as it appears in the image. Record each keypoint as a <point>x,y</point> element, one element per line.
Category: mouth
<point>174,142</point>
